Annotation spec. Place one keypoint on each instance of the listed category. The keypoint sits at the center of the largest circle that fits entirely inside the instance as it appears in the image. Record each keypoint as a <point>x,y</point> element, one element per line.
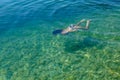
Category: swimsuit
<point>72,26</point>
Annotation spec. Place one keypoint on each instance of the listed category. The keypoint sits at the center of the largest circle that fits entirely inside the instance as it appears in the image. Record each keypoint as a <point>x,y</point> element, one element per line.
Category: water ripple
<point>14,12</point>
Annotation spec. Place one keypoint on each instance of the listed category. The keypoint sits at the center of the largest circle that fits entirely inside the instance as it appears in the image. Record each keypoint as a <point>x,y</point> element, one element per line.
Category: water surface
<point>29,51</point>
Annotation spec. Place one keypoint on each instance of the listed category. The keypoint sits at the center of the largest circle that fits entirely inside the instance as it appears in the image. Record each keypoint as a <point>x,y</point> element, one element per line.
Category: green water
<point>29,50</point>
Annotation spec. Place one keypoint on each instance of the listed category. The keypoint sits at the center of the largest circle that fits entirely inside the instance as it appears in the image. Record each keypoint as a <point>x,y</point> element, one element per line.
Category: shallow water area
<point>29,50</point>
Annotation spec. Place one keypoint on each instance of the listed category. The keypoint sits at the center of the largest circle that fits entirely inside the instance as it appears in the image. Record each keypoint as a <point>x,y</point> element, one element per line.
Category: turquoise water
<point>29,51</point>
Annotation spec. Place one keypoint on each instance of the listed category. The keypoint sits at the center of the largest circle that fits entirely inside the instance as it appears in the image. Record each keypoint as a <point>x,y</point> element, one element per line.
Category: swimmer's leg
<point>80,22</point>
<point>87,24</point>
<point>85,28</point>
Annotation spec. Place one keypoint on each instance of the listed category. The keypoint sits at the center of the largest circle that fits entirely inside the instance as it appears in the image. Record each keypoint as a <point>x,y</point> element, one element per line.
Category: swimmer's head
<point>56,32</point>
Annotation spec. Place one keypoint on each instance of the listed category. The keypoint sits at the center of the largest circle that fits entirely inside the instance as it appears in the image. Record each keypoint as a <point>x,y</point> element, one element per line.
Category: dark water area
<point>17,13</point>
<point>29,50</point>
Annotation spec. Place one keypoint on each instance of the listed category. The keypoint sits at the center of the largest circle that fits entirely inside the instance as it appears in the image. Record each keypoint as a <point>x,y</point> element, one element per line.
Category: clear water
<point>29,51</point>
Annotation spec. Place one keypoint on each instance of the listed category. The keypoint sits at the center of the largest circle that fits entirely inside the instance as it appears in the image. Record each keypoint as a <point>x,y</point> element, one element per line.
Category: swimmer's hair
<point>56,32</point>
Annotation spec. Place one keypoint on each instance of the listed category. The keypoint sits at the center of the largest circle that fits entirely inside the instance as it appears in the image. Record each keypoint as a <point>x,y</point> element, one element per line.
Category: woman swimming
<point>73,28</point>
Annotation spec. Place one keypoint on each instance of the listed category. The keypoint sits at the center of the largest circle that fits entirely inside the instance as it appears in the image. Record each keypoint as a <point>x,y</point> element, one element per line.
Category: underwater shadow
<point>87,42</point>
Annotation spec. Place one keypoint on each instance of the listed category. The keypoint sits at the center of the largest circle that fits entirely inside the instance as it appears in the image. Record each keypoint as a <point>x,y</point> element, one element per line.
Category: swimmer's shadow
<point>88,42</point>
